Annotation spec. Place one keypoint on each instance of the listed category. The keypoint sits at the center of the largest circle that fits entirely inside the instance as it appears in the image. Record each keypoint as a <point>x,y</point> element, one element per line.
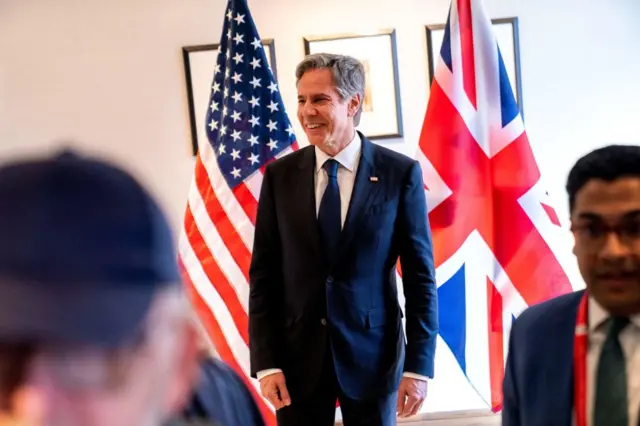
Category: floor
<point>469,418</point>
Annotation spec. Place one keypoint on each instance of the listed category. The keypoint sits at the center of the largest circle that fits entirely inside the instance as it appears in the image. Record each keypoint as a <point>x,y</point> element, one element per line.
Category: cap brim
<point>100,315</point>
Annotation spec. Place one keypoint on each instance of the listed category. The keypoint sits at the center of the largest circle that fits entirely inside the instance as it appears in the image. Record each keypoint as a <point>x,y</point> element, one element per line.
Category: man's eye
<point>632,229</point>
<point>593,230</point>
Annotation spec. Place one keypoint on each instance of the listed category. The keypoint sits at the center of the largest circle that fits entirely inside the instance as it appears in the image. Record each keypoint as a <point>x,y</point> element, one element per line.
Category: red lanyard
<point>580,342</point>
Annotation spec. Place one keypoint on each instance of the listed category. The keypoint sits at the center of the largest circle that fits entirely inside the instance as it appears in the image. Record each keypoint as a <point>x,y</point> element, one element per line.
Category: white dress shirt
<point>630,342</point>
<point>348,160</point>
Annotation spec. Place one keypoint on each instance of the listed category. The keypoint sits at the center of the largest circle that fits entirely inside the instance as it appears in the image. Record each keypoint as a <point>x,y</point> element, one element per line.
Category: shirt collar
<point>348,157</point>
<point>598,315</point>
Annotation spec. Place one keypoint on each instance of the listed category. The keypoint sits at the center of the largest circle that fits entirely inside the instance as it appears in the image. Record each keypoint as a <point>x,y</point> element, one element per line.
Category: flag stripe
<point>232,207</point>
<point>216,306</point>
<point>215,275</point>
<point>217,246</point>
<point>253,184</point>
<point>496,348</point>
<point>214,331</point>
<point>248,202</point>
<point>468,57</point>
<point>222,223</point>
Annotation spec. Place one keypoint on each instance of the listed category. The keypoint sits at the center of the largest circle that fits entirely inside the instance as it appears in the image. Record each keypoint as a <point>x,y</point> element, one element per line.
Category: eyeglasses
<point>594,234</point>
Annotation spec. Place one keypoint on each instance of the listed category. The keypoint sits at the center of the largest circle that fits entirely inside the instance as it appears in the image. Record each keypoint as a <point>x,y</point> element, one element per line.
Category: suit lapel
<point>305,197</point>
<point>363,193</point>
<point>559,363</point>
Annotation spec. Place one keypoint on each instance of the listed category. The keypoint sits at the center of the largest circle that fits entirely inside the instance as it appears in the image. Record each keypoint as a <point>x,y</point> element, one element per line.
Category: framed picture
<point>506,31</point>
<point>381,116</point>
<point>199,64</point>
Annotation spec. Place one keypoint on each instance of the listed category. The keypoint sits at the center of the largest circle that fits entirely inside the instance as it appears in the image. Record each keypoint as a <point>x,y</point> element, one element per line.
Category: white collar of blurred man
<point>598,316</point>
<point>148,380</point>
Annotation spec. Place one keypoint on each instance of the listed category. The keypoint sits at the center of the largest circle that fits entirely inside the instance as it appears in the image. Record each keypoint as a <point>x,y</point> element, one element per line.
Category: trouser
<point>319,408</point>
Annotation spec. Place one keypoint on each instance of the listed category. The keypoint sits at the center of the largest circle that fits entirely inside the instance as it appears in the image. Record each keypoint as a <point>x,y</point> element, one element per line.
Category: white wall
<point>108,75</point>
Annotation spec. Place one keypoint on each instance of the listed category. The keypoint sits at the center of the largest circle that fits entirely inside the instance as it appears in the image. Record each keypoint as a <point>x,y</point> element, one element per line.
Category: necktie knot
<point>616,325</point>
<point>331,167</point>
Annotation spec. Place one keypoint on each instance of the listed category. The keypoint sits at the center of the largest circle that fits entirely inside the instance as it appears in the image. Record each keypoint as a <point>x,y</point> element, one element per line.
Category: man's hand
<point>274,388</point>
<point>411,394</point>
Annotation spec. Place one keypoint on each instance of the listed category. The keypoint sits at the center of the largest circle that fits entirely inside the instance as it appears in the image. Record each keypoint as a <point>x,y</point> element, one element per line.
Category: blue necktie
<point>611,404</point>
<point>329,216</point>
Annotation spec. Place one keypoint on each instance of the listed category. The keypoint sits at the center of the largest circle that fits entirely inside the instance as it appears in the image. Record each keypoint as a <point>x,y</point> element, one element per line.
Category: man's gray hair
<point>348,74</point>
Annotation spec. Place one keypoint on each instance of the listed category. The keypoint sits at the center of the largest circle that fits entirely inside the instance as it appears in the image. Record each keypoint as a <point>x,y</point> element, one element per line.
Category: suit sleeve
<point>510,404</point>
<point>418,276</point>
<point>265,281</point>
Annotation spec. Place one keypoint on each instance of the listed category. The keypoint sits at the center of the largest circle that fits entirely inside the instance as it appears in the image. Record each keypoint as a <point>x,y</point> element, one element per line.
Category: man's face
<point>139,386</point>
<point>606,226</point>
<point>326,118</point>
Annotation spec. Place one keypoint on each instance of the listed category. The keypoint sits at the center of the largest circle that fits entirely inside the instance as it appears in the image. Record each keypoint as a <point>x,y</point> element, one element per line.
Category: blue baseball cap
<point>84,249</point>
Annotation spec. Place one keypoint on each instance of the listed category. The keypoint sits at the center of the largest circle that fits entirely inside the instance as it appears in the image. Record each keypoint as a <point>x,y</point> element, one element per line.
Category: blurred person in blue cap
<point>95,329</point>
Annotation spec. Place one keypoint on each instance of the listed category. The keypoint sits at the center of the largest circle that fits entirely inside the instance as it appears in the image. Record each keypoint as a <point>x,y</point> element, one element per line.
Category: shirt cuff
<point>415,376</point>
<point>264,373</point>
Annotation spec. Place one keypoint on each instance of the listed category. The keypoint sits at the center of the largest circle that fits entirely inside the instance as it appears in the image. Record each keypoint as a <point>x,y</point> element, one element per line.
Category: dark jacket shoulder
<point>540,319</point>
<point>222,398</point>
<point>291,160</point>
<point>388,155</point>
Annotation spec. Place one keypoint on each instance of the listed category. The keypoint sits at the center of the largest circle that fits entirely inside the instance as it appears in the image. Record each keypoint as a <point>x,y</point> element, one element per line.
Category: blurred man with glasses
<point>575,360</point>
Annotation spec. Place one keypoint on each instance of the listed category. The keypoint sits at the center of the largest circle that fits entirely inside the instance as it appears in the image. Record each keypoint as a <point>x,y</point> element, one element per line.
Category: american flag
<point>246,127</point>
<point>491,220</point>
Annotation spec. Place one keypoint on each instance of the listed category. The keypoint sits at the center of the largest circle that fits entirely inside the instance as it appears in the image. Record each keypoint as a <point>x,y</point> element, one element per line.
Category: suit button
<point>329,279</point>
<point>323,321</point>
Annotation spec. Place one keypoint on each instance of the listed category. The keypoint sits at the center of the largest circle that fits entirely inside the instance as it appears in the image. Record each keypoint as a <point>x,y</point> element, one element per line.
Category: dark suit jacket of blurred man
<point>538,380</point>
<point>221,398</point>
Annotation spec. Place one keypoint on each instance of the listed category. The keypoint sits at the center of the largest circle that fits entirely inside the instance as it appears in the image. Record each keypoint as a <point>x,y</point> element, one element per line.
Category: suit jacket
<point>297,298</point>
<point>538,381</point>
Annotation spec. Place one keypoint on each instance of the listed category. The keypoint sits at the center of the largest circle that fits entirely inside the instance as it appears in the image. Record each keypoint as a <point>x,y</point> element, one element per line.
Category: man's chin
<point>321,141</point>
<point>619,301</point>
<point>315,140</point>
<point>329,143</point>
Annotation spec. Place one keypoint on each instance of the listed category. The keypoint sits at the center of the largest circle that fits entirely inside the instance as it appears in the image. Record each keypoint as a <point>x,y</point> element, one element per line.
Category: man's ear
<point>573,234</point>
<point>187,369</point>
<point>354,104</point>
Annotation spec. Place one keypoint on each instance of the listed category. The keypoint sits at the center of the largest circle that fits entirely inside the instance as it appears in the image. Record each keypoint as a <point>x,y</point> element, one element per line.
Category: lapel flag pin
<point>373,178</point>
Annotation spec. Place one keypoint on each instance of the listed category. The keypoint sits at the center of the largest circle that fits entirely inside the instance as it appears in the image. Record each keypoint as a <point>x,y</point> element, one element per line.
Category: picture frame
<point>507,34</point>
<point>199,63</point>
<point>381,116</point>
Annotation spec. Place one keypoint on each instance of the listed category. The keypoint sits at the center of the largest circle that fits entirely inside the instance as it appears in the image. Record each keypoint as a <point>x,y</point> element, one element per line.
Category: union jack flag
<point>247,127</point>
<point>490,219</point>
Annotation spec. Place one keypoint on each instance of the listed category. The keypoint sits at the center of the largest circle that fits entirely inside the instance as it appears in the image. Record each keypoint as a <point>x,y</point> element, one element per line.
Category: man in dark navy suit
<point>333,219</point>
<point>539,383</point>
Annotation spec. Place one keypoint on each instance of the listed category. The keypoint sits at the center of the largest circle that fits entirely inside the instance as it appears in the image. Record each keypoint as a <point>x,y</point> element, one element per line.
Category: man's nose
<point>307,109</point>
<point>614,247</point>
